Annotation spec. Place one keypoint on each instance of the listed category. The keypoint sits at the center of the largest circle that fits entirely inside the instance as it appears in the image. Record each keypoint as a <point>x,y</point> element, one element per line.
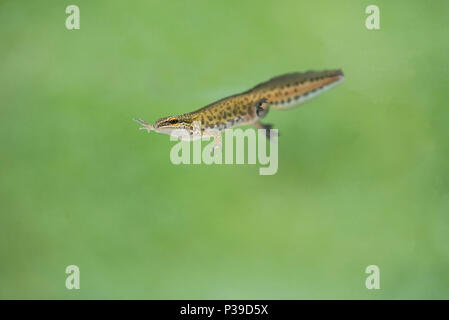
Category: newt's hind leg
<point>262,108</point>
<point>267,127</point>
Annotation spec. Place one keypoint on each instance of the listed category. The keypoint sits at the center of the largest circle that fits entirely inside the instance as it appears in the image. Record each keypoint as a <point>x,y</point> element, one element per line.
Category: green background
<point>363,169</point>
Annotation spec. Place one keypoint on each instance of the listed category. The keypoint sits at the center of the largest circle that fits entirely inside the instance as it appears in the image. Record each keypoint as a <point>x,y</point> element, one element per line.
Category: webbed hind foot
<point>267,127</point>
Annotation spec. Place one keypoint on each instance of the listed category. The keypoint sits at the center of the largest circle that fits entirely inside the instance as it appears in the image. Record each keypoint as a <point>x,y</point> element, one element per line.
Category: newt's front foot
<point>216,135</point>
<point>217,144</point>
<point>145,126</point>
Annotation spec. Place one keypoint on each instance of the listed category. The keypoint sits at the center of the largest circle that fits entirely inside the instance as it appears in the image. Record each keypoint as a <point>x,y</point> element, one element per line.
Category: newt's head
<point>168,125</point>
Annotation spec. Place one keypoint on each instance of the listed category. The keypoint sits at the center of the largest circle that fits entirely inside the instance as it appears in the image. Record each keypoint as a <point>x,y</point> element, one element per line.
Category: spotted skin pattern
<point>282,93</point>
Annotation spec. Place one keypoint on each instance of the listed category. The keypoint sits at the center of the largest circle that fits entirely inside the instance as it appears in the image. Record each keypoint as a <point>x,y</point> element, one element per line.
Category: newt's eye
<point>173,120</point>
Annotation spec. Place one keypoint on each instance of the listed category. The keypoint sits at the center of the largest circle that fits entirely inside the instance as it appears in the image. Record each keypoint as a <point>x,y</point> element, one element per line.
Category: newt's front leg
<point>145,126</point>
<point>216,135</point>
<point>198,132</point>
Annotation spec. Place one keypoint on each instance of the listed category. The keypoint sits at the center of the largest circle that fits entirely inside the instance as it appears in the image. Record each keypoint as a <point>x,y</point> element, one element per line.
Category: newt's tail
<point>293,89</point>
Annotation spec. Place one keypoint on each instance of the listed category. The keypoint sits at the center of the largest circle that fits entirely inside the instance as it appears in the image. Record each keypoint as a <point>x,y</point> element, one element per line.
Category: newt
<point>247,108</point>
